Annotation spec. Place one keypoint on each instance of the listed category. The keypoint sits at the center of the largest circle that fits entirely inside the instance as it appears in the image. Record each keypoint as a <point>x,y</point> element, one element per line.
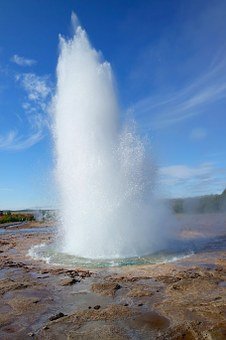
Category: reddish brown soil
<point>180,300</point>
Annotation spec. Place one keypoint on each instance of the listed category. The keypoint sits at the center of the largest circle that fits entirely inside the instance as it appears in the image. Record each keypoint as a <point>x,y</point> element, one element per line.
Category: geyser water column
<point>104,174</point>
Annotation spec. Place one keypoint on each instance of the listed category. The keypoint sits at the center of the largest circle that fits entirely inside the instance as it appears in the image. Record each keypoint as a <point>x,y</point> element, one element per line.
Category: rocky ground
<point>179,300</point>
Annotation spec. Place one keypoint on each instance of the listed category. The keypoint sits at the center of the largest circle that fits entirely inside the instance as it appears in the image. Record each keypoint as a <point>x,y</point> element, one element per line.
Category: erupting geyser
<point>104,172</point>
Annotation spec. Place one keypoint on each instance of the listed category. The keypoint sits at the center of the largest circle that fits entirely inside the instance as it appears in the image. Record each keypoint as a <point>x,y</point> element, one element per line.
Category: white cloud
<point>14,142</point>
<point>7,140</point>
<point>37,87</point>
<point>198,134</point>
<point>21,61</point>
<point>36,118</point>
<point>38,95</point>
<point>182,180</point>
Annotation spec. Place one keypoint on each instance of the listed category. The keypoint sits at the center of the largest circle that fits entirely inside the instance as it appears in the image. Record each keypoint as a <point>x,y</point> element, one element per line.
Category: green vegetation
<point>203,204</point>
<point>8,217</point>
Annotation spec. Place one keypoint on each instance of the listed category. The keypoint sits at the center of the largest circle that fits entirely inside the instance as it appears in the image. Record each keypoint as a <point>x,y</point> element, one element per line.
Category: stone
<point>57,316</point>
<point>68,281</point>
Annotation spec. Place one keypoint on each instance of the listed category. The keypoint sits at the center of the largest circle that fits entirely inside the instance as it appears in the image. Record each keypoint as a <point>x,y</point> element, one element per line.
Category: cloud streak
<point>192,100</point>
<point>38,93</point>
<point>14,142</point>
<point>21,61</point>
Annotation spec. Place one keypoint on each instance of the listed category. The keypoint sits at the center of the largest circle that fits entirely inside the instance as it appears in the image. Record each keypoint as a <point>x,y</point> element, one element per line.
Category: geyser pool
<point>49,254</point>
<point>105,175</point>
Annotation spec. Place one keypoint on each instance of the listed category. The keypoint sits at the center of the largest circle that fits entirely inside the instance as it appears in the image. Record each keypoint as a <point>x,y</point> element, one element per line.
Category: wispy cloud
<point>193,99</point>
<point>37,87</point>
<point>22,61</point>
<point>38,94</point>
<point>37,97</point>
<point>15,142</point>
<point>181,180</point>
<point>179,172</point>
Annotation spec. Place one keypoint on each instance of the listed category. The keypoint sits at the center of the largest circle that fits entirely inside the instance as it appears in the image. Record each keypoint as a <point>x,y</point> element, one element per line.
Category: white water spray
<point>104,174</point>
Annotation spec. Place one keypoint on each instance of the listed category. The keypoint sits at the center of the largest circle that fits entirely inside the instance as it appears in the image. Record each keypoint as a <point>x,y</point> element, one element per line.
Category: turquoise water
<point>176,250</point>
<point>50,255</point>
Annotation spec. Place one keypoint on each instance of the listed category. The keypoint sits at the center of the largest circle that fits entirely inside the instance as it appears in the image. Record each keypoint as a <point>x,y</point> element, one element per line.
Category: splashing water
<point>105,177</point>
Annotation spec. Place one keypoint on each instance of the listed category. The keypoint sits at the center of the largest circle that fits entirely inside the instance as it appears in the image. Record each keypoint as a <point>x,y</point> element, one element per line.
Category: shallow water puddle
<point>150,321</point>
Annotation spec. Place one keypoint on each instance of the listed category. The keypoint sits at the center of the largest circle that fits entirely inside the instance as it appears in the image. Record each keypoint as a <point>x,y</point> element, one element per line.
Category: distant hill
<point>202,204</point>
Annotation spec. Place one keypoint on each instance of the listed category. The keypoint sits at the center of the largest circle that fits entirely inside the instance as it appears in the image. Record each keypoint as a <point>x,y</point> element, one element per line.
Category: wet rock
<point>57,316</point>
<point>97,307</point>
<point>43,277</point>
<point>23,304</point>
<point>180,332</point>
<point>196,297</point>
<point>99,330</point>
<point>168,279</point>
<point>106,288</point>
<point>5,318</point>
<point>150,320</point>
<point>71,272</point>
<point>128,278</point>
<point>12,264</point>
<point>217,298</point>
<point>140,291</point>
<point>4,243</point>
<point>112,312</point>
<point>57,271</point>
<point>31,334</point>
<point>7,285</point>
<point>219,269</point>
<point>68,281</point>
<point>175,287</point>
<point>45,327</point>
<point>117,286</point>
<point>84,273</point>
<point>218,332</point>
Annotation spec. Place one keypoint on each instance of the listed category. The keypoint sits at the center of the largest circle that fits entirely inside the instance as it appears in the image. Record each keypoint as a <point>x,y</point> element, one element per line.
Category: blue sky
<point>169,62</point>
